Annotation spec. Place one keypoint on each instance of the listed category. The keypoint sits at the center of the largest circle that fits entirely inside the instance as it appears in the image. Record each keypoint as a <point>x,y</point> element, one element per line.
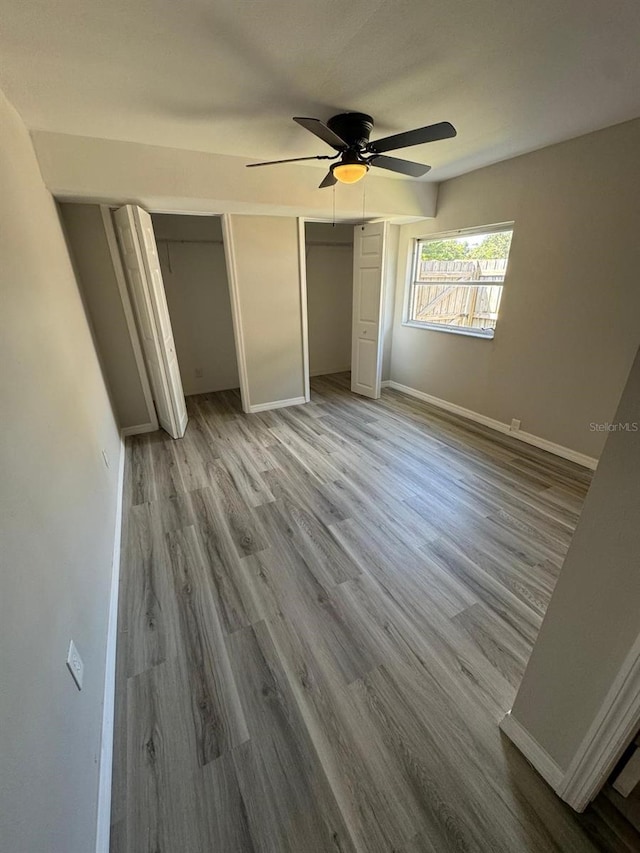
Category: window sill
<point>451,330</point>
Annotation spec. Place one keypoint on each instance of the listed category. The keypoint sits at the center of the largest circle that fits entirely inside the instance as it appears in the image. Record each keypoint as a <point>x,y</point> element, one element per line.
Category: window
<point>456,284</point>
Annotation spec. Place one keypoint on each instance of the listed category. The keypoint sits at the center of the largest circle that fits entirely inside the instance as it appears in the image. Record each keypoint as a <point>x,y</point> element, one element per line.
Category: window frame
<point>412,267</point>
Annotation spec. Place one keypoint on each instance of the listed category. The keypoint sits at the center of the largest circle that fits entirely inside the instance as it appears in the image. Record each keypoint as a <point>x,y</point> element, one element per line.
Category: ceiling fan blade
<point>329,180</point>
<point>290,160</point>
<point>404,167</point>
<point>323,132</point>
<point>431,133</point>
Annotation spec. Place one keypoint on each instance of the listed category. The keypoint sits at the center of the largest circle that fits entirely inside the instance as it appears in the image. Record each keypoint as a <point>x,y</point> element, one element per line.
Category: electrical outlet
<point>75,665</point>
<point>105,457</point>
<point>515,425</point>
<point>198,372</point>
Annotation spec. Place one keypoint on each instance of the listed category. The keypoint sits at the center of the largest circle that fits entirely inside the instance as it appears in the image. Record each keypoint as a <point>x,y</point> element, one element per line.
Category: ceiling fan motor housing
<point>354,128</point>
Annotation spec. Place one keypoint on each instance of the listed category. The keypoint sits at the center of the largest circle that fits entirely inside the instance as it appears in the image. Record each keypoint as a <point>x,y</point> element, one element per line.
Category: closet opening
<point>194,272</point>
<point>156,292</point>
<point>329,279</point>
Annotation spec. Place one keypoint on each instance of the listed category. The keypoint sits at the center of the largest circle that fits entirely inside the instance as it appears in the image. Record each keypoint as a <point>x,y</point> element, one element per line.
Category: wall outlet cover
<point>75,665</point>
<point>199,373</point>
<point>515,425</point>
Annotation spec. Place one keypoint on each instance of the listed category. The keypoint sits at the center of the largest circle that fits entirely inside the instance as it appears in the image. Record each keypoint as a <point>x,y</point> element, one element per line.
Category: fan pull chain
<point>364,196</point>
<point>334,206</point>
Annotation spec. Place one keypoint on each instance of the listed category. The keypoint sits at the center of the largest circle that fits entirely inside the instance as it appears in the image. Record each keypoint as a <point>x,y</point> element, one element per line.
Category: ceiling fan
<point>348,134</point>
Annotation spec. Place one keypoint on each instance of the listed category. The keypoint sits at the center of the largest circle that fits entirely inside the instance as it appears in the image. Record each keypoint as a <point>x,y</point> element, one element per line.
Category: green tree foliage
<point>445,250</point>
<point>493,246</point>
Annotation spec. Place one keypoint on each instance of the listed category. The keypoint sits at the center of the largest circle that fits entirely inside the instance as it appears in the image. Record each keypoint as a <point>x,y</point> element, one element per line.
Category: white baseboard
<point>386,383</point>
<point>138,429</point>
<point>551,772</point>
<point>108,704</point>
<point>277,404</point>
<point>499,426</point>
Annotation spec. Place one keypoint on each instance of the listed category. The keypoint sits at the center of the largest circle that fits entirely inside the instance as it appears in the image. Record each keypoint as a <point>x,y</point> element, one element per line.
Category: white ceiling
<point>225,76</point>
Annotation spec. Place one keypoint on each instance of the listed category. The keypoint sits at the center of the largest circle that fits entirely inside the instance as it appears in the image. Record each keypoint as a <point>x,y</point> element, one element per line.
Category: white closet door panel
<point>142,267</point>
<point>369,247</point>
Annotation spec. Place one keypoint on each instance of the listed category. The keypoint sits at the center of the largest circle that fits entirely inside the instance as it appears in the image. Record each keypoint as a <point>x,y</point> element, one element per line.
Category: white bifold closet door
<point>369,246</point>
<point>140,260</point>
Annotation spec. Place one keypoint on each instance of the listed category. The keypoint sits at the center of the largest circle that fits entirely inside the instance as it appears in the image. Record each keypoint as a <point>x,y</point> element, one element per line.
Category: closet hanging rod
<point>327,243</point>
<point>171,240</point>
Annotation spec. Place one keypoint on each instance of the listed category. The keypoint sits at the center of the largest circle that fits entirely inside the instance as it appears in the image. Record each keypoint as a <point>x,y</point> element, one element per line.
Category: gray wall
<point>57,521</point>
<point>194,271</point>
<point>265,249</point>
<point>592,621</point>
<point>94,269</point>
<point>329,256</point>
<point>568,327</point>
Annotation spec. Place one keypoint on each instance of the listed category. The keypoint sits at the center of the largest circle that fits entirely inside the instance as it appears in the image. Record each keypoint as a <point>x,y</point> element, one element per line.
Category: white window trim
<point>410,277</point>
<point>451,330</point>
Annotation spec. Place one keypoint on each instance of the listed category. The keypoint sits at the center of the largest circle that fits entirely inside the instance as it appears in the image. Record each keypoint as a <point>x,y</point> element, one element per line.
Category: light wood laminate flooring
<point>324,613</point>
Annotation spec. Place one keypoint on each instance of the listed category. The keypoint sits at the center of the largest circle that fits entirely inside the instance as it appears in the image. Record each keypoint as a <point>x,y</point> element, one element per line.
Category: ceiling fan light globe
<point>349,173</point>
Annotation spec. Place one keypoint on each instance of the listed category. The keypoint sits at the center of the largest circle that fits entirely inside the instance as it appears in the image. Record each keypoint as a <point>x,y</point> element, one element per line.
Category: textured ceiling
<point>226,77</point>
